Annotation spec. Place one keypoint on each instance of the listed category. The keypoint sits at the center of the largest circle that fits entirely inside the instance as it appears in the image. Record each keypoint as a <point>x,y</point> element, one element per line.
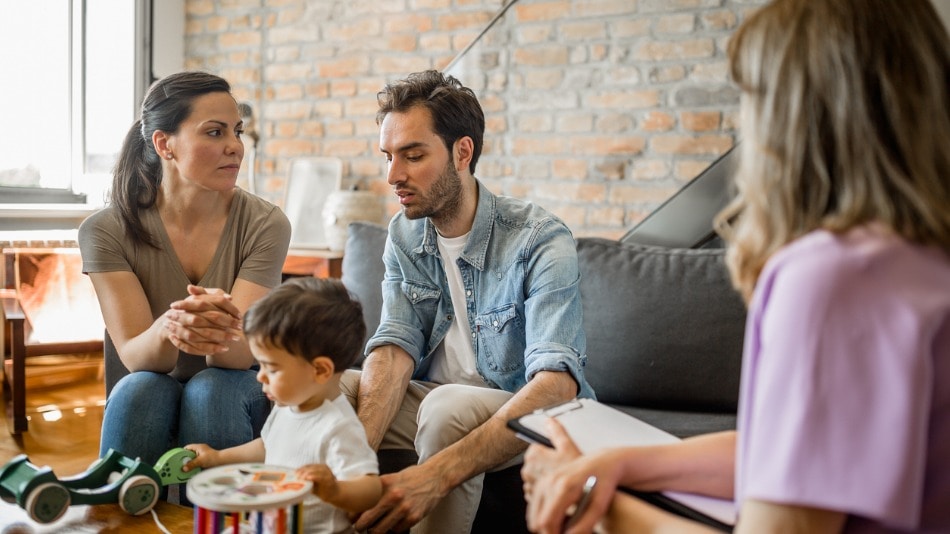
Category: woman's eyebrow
<point>223,124</point>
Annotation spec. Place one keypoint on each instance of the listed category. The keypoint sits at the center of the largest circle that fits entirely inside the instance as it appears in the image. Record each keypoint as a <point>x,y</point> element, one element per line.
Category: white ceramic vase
<point>344,207</point>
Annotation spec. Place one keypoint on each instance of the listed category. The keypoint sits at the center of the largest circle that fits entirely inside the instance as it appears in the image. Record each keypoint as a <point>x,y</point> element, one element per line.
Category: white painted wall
<point>168,37</point>
<point>943,8</point>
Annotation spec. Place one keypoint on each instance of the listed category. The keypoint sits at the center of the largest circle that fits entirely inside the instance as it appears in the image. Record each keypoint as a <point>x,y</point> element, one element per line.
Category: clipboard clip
<point>560,409</point>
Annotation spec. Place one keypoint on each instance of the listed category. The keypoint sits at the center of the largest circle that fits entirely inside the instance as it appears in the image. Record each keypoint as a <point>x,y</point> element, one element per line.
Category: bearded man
<point>481,318</point>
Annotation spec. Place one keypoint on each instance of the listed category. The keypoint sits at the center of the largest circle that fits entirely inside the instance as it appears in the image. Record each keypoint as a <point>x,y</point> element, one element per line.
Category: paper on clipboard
<point>594,426</point>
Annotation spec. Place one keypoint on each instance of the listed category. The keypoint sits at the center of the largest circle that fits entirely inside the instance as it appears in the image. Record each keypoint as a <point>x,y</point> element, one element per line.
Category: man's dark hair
<point>454,108</point>
<point>310,317</point>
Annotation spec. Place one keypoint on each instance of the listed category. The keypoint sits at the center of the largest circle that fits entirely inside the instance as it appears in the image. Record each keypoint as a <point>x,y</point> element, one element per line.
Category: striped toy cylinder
<point>248,498</point>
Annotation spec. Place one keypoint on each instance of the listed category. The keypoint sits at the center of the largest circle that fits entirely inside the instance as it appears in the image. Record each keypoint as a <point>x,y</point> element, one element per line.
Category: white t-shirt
<point>454,358</point>
<point>330,435</point>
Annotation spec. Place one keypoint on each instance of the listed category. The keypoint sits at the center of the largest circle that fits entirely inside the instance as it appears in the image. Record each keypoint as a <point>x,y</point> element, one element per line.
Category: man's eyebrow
<point>405,147</point>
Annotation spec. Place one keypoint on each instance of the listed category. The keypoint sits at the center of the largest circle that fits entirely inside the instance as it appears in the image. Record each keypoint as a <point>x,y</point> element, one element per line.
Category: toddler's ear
<point>323,368</point>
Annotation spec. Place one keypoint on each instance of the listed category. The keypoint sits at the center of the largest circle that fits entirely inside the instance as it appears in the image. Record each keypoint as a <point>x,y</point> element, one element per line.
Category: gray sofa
<point>664,341</point>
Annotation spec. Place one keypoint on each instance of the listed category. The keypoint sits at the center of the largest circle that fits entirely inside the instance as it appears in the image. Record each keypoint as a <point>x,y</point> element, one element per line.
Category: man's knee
<point>350,385</point>
<point>450,412</point>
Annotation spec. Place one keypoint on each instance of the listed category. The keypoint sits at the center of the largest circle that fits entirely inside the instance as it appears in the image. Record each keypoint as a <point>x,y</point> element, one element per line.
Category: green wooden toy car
<point>114,478</point>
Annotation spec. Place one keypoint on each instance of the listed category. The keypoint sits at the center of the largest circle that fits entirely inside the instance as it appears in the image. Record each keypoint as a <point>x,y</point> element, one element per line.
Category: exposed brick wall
<point>596,109</point>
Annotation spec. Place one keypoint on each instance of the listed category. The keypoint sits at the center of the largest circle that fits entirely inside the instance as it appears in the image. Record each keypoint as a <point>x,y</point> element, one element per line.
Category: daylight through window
<point>68,96</point>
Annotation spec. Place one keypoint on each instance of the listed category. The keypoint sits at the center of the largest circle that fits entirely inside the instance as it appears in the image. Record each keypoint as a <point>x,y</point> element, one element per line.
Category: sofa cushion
<point>664,326</point>
<point>682,423</point>
<point>363,269</point>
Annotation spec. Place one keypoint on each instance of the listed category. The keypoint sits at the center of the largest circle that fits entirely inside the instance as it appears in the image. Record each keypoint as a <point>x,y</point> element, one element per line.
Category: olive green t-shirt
<point>253,247</point>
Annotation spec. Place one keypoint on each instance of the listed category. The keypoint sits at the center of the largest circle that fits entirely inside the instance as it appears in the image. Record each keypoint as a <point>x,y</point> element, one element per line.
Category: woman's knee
<point>141,415</point>
<point>223,408</point>
<point>215,385</point>
<point>145,388</point>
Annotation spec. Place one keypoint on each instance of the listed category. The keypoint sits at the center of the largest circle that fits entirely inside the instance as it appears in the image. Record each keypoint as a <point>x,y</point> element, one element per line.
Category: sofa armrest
<point>363,269</point>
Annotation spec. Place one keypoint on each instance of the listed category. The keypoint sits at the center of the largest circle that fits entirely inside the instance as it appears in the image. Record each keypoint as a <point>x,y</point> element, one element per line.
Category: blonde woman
<point>839,240</point>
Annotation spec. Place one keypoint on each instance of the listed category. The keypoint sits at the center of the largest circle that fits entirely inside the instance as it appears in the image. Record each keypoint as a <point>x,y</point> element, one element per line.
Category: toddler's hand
<point>324,482</point>
<point>205,457</point>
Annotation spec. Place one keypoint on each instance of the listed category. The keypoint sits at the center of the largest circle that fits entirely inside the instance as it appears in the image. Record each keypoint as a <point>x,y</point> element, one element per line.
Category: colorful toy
<point>114,478</point>
<point>248,498</point>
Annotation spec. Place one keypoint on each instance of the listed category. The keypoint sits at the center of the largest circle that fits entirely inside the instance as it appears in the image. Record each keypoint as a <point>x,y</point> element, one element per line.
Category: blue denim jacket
<point>519,269</point>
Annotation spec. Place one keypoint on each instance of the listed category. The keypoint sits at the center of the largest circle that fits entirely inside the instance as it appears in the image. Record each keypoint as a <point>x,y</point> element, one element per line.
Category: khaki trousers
<point>431,418</point>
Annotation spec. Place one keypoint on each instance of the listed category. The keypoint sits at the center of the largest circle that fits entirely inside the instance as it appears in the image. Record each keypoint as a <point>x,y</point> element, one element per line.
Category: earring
<point>168,156</point>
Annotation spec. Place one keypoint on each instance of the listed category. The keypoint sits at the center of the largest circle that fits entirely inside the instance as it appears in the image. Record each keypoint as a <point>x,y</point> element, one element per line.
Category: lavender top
<point>845,396</point>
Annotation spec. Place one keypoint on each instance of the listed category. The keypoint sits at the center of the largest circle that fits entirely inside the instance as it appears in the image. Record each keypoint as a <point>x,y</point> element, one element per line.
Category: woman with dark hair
<point>839,241</point>
<point>176,258</point>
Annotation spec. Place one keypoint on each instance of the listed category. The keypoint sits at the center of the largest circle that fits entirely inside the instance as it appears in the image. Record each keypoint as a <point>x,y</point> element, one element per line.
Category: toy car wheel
<point>7,496</point>
<point>138,495</point>
<point>47,502</point>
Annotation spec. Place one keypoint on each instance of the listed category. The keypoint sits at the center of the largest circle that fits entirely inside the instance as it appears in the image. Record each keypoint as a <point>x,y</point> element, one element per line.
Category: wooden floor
<point>65,421</point>
<point>65,410</point>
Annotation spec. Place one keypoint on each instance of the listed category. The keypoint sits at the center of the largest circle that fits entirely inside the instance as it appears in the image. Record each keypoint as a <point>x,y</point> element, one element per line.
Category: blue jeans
<point>149,413</point>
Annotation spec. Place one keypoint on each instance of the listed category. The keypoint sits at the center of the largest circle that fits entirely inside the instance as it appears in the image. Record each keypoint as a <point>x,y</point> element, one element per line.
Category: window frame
<point>53,202</point>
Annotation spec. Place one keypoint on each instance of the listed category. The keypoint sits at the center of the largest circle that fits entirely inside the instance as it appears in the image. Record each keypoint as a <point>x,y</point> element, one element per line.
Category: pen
<point>586,496</point>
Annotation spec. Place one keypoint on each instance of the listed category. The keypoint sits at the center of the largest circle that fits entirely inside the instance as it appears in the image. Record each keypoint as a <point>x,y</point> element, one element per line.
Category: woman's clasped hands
<point>203,323</point>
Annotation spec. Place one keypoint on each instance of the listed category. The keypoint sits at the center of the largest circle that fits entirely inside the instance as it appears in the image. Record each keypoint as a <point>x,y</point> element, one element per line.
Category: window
<point>71,70</point>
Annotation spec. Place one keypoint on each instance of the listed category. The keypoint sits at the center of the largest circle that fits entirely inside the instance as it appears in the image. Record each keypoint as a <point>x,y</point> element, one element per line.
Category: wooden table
<point>320,263</point>
<point>100,518</point>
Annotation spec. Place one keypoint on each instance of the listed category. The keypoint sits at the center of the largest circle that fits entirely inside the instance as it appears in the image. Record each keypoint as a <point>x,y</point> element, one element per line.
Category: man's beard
<point>442,201</point>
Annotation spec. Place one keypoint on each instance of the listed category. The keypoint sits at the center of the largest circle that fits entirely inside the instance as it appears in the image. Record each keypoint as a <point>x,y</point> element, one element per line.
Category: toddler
<point>304,334</point>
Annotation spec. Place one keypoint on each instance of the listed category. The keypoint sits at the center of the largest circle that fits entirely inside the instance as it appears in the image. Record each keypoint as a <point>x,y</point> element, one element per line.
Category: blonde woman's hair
<point>845,122</point>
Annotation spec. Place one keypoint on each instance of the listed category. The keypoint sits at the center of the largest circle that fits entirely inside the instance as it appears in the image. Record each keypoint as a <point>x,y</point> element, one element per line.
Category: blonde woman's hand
<point>541,460</point>
<point>554,480</point>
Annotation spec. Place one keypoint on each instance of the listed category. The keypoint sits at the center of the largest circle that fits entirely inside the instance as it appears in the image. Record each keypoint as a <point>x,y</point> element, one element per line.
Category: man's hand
<point>407,497</point>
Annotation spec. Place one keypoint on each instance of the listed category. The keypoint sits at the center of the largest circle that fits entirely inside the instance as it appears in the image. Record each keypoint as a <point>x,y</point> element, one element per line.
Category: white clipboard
<point>594,426</point>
